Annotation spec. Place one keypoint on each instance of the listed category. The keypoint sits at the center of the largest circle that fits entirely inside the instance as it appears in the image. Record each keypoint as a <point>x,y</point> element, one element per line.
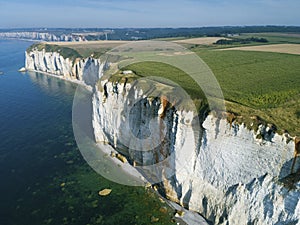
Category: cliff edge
<point>227,172</point>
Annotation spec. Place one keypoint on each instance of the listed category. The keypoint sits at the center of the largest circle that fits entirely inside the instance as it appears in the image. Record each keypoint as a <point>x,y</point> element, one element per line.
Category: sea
<point>43,176</point>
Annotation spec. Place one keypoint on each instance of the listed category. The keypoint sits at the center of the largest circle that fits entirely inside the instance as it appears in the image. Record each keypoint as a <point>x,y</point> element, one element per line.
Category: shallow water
<point>44,179</point>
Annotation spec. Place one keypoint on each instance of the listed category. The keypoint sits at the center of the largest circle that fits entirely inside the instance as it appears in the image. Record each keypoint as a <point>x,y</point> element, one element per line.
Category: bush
<point>240,41</point>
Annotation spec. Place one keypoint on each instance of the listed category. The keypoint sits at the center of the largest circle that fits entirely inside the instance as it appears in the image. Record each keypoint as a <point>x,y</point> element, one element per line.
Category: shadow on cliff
<point>289,180</point>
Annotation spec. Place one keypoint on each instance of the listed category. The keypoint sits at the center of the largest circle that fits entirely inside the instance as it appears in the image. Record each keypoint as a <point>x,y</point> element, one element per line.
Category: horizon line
<point>166,27</point>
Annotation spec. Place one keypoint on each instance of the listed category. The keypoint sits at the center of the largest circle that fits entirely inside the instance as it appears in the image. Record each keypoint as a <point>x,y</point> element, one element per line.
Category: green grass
<point>180,78</point>
<point>260,84</point>
<point>166,71</point>
<point>95,49</point>
<point>255,79</point>
<point>64,51</point>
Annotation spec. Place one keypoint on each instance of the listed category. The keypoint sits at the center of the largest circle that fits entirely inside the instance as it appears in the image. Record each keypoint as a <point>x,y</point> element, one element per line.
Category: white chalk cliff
<point>44,36</point>
<point>85,70</point>
<point>224,171</point>
<point>229,175</point>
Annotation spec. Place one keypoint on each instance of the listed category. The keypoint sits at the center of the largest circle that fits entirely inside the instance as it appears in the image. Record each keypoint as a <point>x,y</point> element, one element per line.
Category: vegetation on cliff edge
<point>63,51</point>
<point>255,84</point>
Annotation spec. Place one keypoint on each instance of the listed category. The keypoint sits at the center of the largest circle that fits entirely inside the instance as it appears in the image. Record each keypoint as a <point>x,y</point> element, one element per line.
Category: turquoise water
<point>44,179</point>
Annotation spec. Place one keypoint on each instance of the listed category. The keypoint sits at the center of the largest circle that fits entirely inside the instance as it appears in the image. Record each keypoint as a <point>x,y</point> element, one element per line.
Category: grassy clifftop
<point>255,84</point>
<point>176,86</point>
<point>64,51</point>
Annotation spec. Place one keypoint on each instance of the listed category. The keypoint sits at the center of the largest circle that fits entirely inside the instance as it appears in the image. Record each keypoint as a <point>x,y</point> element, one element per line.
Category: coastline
<point>188,218</point>
<point>75,81</point>
<point>20,39</point>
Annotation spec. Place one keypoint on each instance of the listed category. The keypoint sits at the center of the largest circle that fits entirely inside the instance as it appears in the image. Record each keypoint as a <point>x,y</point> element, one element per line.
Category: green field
<point>272,38</point>
<point>254,83</point>
<point>263,84</point>
<point>275,38</point>
<point>168,72</point>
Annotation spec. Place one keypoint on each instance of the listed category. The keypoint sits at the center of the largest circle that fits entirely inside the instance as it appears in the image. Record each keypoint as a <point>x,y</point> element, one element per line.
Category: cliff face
<point>221,170</point>
<point>85,70</point>
<point>44,36</point>
<point>236,177</point>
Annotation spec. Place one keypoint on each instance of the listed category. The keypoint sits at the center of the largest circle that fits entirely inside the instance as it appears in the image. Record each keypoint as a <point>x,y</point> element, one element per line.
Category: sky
<point>145,13</point>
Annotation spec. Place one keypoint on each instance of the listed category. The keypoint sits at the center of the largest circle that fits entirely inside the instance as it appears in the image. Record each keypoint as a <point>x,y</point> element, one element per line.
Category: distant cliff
<point>41,36</point>
<point>56,63</point>
<point>227,172</point>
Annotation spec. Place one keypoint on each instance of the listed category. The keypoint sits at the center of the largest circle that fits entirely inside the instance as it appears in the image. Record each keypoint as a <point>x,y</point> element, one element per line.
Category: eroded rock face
<point>222,170</point>
<point>87,70</point>
<point>237,177</point>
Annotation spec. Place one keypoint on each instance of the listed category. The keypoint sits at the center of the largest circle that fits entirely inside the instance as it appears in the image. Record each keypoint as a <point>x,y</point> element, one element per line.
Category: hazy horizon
<point>146,14</point>
<point>187,27</point>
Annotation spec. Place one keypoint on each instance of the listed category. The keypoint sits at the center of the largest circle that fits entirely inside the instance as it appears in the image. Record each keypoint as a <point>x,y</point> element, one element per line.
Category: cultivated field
<point>199,41</point>
<point>99,47</point>
<point>87,43</point>
<point>86,49</point>
<point>275,38</point>
<point>263,84</point>
<point>280,48</point>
